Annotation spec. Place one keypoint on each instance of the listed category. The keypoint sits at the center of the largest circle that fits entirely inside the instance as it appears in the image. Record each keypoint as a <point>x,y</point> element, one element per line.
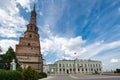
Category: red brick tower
<point>28,51</point>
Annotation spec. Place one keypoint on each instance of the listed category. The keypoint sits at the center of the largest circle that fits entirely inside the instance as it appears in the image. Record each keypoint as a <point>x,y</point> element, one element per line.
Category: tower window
<point>30,35</point>
<point>31,27</point>
<point>28,44</point>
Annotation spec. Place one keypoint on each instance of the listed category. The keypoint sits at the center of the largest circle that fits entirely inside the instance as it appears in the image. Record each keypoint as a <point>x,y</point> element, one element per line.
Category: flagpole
<point>74,64</point>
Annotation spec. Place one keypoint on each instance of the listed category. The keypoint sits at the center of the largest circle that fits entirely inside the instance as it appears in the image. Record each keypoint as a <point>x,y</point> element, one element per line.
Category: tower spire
<point>34,7</point>
<point>33,16</point>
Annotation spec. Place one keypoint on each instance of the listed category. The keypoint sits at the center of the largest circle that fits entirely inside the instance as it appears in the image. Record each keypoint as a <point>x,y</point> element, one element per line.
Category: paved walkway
<point>81,77</point>
<point>49,77</point>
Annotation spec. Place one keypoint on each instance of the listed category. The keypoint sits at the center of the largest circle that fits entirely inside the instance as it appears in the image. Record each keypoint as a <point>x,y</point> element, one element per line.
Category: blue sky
<point>89,28</point>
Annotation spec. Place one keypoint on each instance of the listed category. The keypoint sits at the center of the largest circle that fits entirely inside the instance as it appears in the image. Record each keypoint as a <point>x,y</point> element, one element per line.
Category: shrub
<point>10,75</point>
<point>30,74</point>
<point>42,75</point>
<point>117,71</point>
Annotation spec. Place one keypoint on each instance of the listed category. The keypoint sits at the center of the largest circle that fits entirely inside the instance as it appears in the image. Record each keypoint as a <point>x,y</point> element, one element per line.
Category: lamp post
<point>74,63</point>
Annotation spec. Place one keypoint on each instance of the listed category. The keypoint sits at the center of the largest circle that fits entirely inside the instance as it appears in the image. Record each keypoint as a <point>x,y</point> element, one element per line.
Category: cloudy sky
<point>89,28</point>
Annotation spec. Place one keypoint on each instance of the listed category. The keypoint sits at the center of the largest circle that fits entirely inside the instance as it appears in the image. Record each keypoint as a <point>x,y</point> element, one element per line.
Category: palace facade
<point>74,66</point>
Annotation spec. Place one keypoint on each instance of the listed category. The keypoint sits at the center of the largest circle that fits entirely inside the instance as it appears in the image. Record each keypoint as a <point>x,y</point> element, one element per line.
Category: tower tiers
<point>28,51</point>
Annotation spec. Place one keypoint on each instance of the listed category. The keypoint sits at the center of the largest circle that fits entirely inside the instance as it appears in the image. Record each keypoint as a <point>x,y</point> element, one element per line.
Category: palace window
<point>70,65</point>
<point>63,69</point>
<point>96,65</point>
<point>63,65</point>
<point>59,65</point>
<point>78,65</point>
<point>67,65</point>
<point>59,69</point>
<point>73,69</point>
<point>91,69</point>
<point>82,69</point>
<point>99,65</point>
<point>82,65</point>
<point>91,65</point>
<point>97,69</point>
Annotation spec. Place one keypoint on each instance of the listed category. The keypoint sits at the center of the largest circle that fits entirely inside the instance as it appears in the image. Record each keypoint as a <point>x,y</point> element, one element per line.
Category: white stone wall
<point>75,66</point>
<point>46,68</point>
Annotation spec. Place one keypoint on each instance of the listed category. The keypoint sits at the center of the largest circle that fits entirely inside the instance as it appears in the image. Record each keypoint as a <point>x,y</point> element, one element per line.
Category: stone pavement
<point>48,78</point>
<point>81,77</point>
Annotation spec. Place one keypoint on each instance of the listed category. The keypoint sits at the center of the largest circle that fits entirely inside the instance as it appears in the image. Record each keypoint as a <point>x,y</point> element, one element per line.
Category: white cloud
<point>25,4</point>
<point>41,14</point>
<point>66,47</point>
<point>96,48</point>
<point>114,60</point>
<point>7,33</point>
<point>47,29</point>
<point>119,9</point>
<point>6,43</point>
<point>9,6</point>
<point>10,19</point>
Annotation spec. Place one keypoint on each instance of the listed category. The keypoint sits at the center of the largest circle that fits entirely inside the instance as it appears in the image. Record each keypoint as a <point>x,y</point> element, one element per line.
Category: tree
<point>0,49</point>
<point>117,71</point>
<point>8,57</point>
<point>30,74</point>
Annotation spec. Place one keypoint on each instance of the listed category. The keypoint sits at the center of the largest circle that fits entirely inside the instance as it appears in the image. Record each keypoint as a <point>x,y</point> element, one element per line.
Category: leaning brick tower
<point>28,50</point>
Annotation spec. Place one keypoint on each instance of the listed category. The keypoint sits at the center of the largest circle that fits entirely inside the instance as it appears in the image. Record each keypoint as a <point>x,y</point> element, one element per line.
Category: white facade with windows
<point>75,66</point>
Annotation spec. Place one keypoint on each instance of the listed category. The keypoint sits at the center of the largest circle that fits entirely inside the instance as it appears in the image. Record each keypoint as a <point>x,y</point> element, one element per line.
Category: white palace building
<point>74,66</point>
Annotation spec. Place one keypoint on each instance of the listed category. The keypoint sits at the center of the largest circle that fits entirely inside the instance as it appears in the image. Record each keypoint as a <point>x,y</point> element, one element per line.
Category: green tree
<point>30,74</point>
<point>8,57</point>
<point>0,49</point>
<point>1,56</point>
<point>117,71</point>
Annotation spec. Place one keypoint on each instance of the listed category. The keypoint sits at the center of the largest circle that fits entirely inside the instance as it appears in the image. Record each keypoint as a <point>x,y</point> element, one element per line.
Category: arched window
<point>30,35</point>
<point>59,65</point>
<point>30,27</point>
<point>63,65</point>
<point>91,69</point>
<point>63,69</point>
<point>28,44</point>
<point>59,69</point>
<point>82,69</point>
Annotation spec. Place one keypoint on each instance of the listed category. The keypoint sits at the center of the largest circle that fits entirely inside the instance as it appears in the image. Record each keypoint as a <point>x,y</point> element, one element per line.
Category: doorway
<point>67,71</point>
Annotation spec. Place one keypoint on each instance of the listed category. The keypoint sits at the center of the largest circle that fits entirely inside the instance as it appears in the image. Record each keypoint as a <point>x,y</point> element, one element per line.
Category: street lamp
<point>74,66</point>
<point>74,63</point>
